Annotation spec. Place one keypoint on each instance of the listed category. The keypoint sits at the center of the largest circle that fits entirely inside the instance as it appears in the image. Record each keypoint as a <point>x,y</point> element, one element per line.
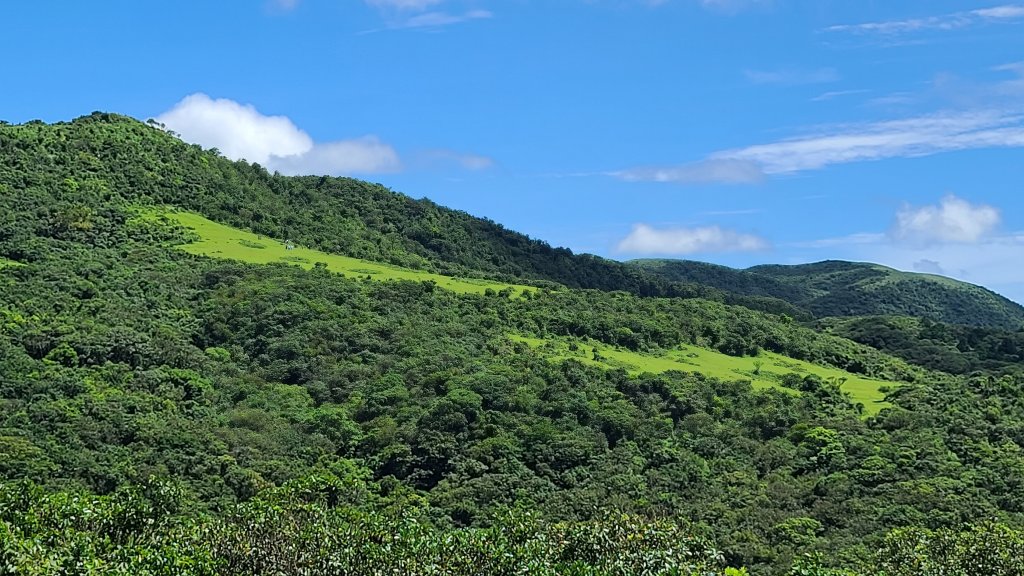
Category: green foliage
<point>312,527</point>
<point>844,289</point>
<point>124,358</point>
<point>990,549</point>
<point>947,347</point>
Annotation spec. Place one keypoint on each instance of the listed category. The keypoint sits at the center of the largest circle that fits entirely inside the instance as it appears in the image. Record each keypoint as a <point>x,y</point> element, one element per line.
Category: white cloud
<point>403,4</point>
<point>406,14</point>
<point>910,137</point>
<point>240,131</point>
<point>676,241</point>
<point>720,171</point>
<point>952,21</point>
<point>859,238</point>
<point>952,220</point>
<point>474,162</point>
<point>361,155</point>
<point>237,130</point>
<point>1009,11</point>
<point>846,143</point>
<point>732,6</point>
<point>790,76</point>
<point>836,94</point>
<point>440,19</point>
<point>1015,67</point>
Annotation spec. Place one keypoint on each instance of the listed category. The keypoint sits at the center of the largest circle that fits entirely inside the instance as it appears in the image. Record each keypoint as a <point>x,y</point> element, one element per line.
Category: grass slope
<point>220,241</point>
<point>763,371</point>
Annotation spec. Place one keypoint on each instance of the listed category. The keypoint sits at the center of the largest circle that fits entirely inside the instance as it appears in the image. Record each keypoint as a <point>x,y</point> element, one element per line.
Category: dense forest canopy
<point>154,403</point>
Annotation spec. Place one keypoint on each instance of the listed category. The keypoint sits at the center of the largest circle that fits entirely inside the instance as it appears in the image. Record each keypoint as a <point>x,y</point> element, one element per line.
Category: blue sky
<point>732,131</point>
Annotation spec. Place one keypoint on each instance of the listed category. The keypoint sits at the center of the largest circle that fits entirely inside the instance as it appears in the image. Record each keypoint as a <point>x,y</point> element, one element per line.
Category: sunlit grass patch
<point>220,241</point>
<point>765,370</point>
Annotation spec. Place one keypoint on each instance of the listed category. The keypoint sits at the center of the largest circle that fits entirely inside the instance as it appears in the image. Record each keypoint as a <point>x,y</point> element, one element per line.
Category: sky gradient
<point>733,131</point>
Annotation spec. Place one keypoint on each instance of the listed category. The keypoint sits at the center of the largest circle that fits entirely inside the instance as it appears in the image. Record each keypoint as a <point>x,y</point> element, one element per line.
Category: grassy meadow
<point>763,371</point>
<point>220,241</point>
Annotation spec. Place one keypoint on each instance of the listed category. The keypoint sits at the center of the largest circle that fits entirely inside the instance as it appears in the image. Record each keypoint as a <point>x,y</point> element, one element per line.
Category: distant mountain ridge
<point>836,288</point>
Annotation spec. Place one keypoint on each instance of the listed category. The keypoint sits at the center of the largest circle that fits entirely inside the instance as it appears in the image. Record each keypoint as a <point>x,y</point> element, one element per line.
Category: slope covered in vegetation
<point>122,357</point>
<point>843,289</point>
<point>947,347</point>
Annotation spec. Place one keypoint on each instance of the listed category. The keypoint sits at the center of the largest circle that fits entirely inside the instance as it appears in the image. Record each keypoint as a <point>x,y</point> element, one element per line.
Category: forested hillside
<point>845,289</point>
<point>153,402</point>
<point>947,347</point>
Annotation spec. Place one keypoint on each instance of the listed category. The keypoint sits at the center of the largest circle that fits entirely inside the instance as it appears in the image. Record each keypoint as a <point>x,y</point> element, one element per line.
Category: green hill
<point>167,365</point>
<point>842,289</point>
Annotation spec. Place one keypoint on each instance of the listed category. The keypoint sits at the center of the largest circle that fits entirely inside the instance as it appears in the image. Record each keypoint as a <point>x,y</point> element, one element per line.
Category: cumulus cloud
<point>951,21</point>
<point>645,239</point>
<point>720,171</point>
<point>952,220</point>
<point>240,131</point>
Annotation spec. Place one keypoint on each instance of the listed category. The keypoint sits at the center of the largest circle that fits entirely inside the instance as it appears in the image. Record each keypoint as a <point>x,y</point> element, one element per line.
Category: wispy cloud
<point>474,162</point>
<point>645,239</point>
<point>421,14</point>
<point>283,4</point>
<point>1015,67</point>
<point>910,137</point>
<point>413,5</point>
<point>712,171</point>
<point>792,76</point>
<point>843,144</point>
<point>858,238</point>
<point>894,99</point>
<point>440,19</point>
<point>950,21</point>
<point>743,212</point>
<point>729,7</point>
<point>825,96</point>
